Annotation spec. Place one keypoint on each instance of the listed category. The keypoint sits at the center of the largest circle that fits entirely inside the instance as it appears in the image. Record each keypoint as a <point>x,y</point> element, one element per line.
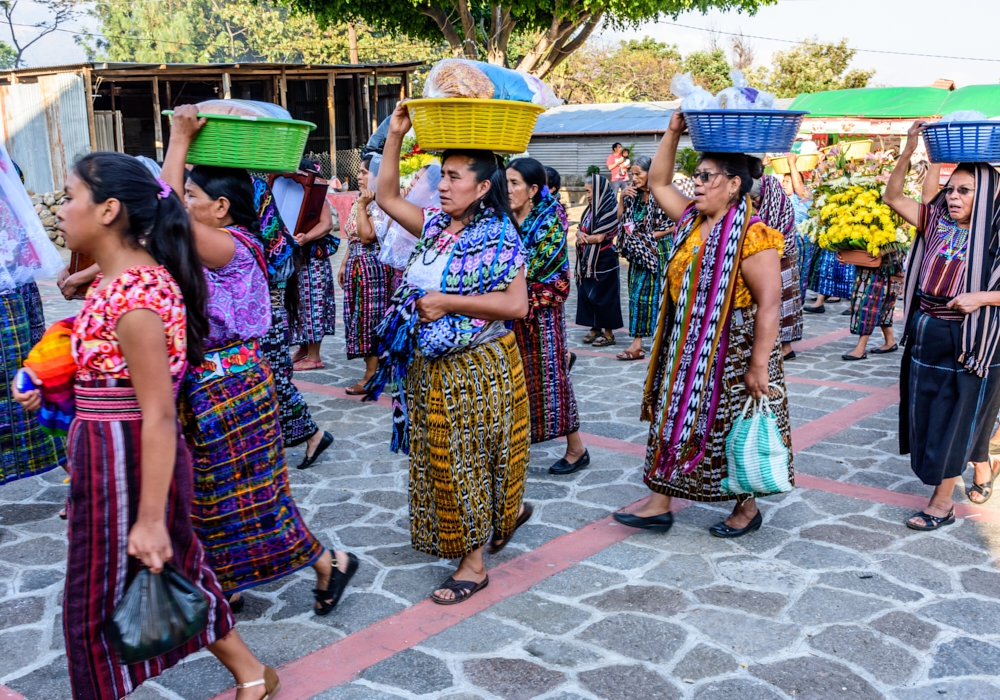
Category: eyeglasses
<point>705,176</point>
<point>963,191</point>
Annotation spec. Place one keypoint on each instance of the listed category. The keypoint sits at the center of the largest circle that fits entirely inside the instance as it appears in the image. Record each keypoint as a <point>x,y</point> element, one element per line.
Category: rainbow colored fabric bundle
<point>52,360</point>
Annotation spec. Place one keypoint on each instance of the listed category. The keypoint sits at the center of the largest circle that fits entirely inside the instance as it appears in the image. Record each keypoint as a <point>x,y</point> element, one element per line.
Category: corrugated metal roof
<point>210,67</point>
<point>629,118</point>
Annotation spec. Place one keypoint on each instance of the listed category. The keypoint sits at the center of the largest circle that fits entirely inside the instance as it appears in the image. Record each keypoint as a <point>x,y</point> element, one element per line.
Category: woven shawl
<point>776,210</point>
<point>981,328</point>
<point>687,367</point>
<point>600,217</point>
<point>636,242</point>
<point>543,233</point>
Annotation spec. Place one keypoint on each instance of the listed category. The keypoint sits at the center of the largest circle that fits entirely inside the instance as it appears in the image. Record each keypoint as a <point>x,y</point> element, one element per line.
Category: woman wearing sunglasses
<point>949,378</point>
<point>717,330</point>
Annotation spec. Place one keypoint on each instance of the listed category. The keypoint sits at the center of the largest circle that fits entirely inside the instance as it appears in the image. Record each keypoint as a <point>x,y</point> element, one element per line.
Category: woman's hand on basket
<point>186,122</point>
<point>30,400</point>
<point>755,380</point>
<point>400,122</point>
<point>677,123</point>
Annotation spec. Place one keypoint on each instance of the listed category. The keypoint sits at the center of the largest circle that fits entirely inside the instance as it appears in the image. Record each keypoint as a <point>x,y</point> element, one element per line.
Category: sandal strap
<point>459,586</point>
<point>251,684</point>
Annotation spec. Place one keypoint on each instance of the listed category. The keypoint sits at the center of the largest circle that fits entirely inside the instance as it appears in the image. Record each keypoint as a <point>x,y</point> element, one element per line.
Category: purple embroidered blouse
<point>239,304</point>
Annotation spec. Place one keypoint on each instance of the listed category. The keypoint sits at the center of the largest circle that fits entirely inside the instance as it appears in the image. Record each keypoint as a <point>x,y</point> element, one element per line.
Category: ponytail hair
<point>158,224</point>
<point>533,173</point>
<point>486,165</point>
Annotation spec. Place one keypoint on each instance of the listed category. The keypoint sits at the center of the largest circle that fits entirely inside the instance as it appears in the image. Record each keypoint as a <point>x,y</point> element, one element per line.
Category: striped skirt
<point>367,292</point>
<point>644,289</point>
<point>317,304</point>
<point>243,510</point>
<point>297,424</point>
<point>791,292</point>
<point>105,453</point>
<point>831,278</point>
<point>544,354</point>
<point>469,442</point>
<point>704,482</point>
<point>874,298</point>
<point>24,449</point>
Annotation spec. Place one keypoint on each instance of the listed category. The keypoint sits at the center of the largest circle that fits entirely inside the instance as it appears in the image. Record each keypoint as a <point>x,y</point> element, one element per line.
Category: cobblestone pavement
<point>832,598</point>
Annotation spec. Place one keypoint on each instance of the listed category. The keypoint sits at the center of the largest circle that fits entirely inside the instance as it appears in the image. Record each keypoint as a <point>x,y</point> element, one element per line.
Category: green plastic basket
<point>261,144</point>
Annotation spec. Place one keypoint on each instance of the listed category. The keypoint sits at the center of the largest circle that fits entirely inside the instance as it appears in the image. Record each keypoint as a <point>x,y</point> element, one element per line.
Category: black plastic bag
<point>158,613</point>
<point>377,140</point>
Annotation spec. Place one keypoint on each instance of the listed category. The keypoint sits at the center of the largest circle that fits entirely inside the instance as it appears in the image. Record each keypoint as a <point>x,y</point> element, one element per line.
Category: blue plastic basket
<point>963,142</point>
<point>743,131</point>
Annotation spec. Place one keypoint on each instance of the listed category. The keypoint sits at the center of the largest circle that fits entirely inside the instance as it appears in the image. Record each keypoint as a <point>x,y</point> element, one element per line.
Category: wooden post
<point>88,85</point>
<point>354,112</point>
<point>331,84</point>
<point>375,104</point>
<point>283,87</point>
<point>157,120</point>
<point>227,87</point>
<point>404,87</point>
<point>352,42</point>
<point>170,99</point>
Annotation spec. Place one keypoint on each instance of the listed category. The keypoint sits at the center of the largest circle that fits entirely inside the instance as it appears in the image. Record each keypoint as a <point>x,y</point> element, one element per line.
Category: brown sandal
<point>604,341</point>
<point>590,337</point>
<point>270,682</point>
<point>627,356</point>
<point>356,390</point>
<point>496,545</point>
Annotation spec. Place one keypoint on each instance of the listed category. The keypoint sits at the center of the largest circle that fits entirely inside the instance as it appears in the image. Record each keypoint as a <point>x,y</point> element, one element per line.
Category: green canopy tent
<point>900,102</point>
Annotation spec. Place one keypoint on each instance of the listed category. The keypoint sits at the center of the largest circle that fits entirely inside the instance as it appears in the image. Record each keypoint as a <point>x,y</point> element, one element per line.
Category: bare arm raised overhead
<point>406,214</point>
<point>906,207</point>
<point>661,172</point>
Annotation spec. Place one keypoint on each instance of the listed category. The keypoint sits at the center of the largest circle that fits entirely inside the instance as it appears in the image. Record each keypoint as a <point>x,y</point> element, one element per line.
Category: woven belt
<point>106,403</point>
<point>232,359</point>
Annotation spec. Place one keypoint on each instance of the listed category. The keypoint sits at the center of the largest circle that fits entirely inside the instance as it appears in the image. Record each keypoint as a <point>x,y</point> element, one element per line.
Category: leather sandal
<point>463,590</point>
<point>304,365</point>
<point>984,490</point>
<point>329,598</point>
<point>356,390</point>
<point>270,681</point>
<point>590,337</point>
<point>604,341</point>
<point>496,545</point>
<point>626,356</point>
<point>931,522</point>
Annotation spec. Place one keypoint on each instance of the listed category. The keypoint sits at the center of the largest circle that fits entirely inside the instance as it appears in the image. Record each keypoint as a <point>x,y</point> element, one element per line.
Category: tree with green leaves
<point>535,35</point>
<point>813,66</point>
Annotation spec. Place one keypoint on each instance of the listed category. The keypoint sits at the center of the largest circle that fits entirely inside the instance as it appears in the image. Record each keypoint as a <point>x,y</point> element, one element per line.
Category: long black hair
<point>158,224</point>
<point>746,168</point>
<point>533,173</point>
<point>486,165</point>
<point>553,179</point>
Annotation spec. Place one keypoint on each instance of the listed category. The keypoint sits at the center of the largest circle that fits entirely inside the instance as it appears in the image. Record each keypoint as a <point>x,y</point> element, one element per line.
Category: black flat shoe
<point>814,309</point>
<point>656,523</point>
<point>847,312</point>
<point>880,351</point>
<point>563,467</point>
<point>851,358</point>
<point>236,605</point>
<point>790,356</point>
<point>329,598</point>
<point>723,530</point>
<point>572,360</point>
<point>320,448</point>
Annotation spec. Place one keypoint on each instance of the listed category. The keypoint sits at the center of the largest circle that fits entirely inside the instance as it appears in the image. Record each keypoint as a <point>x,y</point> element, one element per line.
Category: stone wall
<point>47,205</point>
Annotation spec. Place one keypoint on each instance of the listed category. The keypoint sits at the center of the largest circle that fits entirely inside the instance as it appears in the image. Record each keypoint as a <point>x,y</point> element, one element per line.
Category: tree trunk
<point>453,38</point>
<point>352,40</point>
<point>470,47</point>
<point>501,27</point>
<point>566,46</point>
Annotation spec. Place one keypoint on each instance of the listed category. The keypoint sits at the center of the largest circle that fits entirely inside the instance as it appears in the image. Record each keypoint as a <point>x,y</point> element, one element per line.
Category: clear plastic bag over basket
<point>458,77</point>
<point>693,97</point>
<point>158,613</point>
<point>399,243</point>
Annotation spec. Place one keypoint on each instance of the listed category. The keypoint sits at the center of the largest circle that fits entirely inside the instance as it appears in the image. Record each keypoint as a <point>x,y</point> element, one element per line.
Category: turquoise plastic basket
<point>261,144</point>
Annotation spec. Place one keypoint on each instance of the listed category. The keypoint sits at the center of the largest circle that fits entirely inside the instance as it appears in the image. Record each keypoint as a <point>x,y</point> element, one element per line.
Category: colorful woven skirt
<point>297,424</point>
<point>831,278</point>
<point>791,292</point>
<point>545,357</point>
<point>24,449</point>
<point>469,442</point>
<point>317,304</point>
<point>704,482</point>
<point>243,510</point>
<point>874,300</point>
<point>105,454</point>
<point>367,291</point>
<point>644,290</point>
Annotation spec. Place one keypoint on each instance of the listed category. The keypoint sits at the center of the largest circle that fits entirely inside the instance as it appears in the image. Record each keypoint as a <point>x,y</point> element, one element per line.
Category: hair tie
<point>545,191</point>
<point>165,189</point>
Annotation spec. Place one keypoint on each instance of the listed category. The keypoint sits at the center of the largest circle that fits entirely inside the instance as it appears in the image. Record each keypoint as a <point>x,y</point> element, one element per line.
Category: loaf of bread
<point>458,78</point>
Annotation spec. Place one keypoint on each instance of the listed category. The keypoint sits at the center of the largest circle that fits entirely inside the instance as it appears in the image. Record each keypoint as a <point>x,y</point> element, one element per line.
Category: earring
<point>482,205</point>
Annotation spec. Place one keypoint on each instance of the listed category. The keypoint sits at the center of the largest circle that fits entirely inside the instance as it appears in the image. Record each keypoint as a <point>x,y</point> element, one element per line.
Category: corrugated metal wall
<point>571,155</point>
<point>45,127</point>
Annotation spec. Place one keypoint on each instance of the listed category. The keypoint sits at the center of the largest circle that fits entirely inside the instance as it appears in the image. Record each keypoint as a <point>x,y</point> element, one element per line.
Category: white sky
<point>960,28</point>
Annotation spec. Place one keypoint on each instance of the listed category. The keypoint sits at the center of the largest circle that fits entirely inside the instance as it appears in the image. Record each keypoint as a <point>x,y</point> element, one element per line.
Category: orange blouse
<point>758,237</point>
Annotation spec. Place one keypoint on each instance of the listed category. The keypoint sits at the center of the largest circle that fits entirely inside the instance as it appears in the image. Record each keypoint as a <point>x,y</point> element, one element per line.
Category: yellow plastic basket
<point>803,164</point>
<point>501,126</point>
<point>852,150</point>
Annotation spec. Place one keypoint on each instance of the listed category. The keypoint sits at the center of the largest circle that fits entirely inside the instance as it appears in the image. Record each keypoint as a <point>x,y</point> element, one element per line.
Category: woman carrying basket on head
<point>718,329</point>
<point>950,373</point>
<point>459,399</point>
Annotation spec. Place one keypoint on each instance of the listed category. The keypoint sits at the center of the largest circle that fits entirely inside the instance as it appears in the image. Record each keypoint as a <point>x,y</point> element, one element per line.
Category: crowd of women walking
<point>182,398</point>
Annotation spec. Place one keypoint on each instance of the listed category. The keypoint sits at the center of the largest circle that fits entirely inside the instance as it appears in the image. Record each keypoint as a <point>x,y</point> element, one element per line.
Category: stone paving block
<point>571,515</point>
<point>353,691</point>
<point>981,536</point>
<point>811,556</point>
<point>540,614</point>
<point>532,535</point>
<point>50,682</point>
<point>276,644</point>
<point>400,556</point>
<point>542,491</point>
<point>916,572</point>
<point>20,648</point>
<point>686,571</point>
<point>886,661</point>
<point>819,606</point>
<point>598,478</point>
<point>702,516</point>
<point>654,600</point>
<point>762,573</point>
<point>684,539</point>
<point>806,677</point>
<point>833,503</point>
<point>627,683</point>
<point>980,617</point>
<point>955,690</point>
<point>622,557</point>
<point>966,657</point>
<point>818,465</point>
<point>37,579</point>
<point>749,637</point>
<point>296,599</point>
<point>413,671</point>
<point>876,479</point>
<point>986,583</point>
<point>359,536</point>
<point>197,679</point>
<point>851,537</point>
<point>40,551</point>
<point>735,689</point>
<point>416,584</point>
<point>58,639</point>
<point>559,653</point>
<point>337,516</point>
<point>945,551</point>
<point>635,636</point>
<point>147,691</point>
<point>894,528</point>
<point>704,661</point>
<point>745,599</point>
<point>20,514</point>
<point>359,610</point>
<point>872,584</point>
<point>791,516</point>
<point>512,679</point>
<point>579,580</point>
<point>907,628</point>
<point>479,634</point>
<point>21,611</point>
<point>614,495</point>
<point>764,540</point>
